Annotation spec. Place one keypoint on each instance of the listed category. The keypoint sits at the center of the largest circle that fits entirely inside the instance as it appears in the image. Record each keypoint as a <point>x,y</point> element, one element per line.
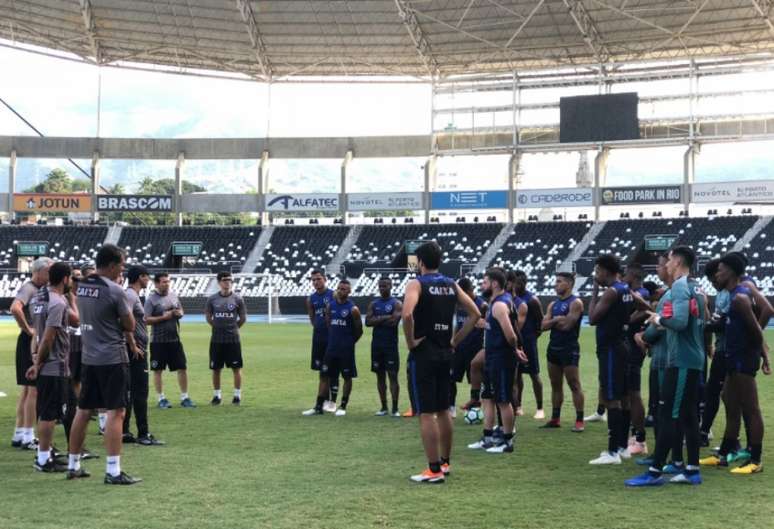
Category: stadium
<point>273,139</point>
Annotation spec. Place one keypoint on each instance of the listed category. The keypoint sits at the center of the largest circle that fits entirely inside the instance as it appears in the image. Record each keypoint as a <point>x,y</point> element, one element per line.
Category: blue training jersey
<point>532,323</point>
<point>494,337</point>
<point>564,340</point>
<point>474,341</point>
<point>384,337</point>
<point>738,346</point>
<point>611,329</point>
<point>319,302</point>
<point>341,339</point>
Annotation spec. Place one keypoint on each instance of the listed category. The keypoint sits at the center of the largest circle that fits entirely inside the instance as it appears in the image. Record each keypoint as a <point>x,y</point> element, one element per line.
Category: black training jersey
<point>611,329</point>
<point>434,313</point>
<point>495,341</point>
<point>564,340</point>
<point>384,337</point>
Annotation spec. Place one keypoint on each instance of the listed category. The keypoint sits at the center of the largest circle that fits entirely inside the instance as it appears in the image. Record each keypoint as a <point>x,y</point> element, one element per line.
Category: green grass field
<point>263,465</point>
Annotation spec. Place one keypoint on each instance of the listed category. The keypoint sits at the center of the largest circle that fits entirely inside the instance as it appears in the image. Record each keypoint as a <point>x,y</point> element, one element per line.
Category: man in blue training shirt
<point>383,314</point>
<point>316,304</point>
<point>530,332</point>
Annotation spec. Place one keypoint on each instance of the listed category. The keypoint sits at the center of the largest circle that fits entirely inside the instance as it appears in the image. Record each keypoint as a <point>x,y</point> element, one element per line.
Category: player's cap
<point>134,273</point>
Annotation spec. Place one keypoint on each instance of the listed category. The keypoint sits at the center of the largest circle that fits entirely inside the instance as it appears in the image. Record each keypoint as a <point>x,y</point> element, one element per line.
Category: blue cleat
<point>687,479</point>
<point>164,404</point>
<point>645,461</point>
<point>645,480</point>
<point>187,403</point>
<point>671,468</point>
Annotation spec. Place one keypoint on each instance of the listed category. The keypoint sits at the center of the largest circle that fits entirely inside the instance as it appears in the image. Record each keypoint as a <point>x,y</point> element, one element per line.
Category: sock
<point>445,460</point>
<point>384,403</point>
<point>183,396</point>
<point>639,435</point>
<point>475,394</point>
<point>579,415</point>
<point>218,393</point>
<point>755,453</point>
<point>394,405</point>
<point>344,402</point>
<point>555,413</point>
<point>162,397</point>
<point>238,393</point>
<point>488,435</point>
<point>18,434</point>
<point>43,456</point>
<point>102,420</point>
<point>319,405</point>
<point>113,465</point>
<point>434,466</point>
<point>28,436</point>
<point>74,461</point>
<point>508,438</point>
<point>600,410</point>
<point>614,420</point>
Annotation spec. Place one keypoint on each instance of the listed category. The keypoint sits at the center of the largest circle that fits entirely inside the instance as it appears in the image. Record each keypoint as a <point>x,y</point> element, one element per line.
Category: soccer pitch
<point>264,465</point>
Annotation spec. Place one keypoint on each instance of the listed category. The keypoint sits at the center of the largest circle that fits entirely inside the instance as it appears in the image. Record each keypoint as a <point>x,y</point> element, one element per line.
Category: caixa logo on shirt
<point>223,315</point>
<point>441,291</point>
<point>87,292</point>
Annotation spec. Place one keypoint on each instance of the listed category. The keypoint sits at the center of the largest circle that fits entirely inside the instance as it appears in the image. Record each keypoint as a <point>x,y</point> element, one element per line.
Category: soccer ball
<point>474,416</point>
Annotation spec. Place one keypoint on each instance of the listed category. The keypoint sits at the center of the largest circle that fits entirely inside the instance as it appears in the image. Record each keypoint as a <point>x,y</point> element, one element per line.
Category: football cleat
<point>187,403</point>
<point>637,448</point>
<point>687,479</point>
<point>553,423</point>
<point>607,458</point>
<point>645,480</point>
<point>502,448</point>
<point>329,406</point>
<point>740,456</point>
<point>311,411</point>
<point>539,415</point>
<point>446,469</point>
<point>381,413</point>
<point>164,404</point>
<point>428,476</point>
<point>579,427</point>
<point>749,468</point>
<point>671,468</point>
<point>595,417</point>
<point>713,461</point>
<point>624,453</point>
<point>122,479</point>
<point>646,461</point>
<point>341,412</point>
<point>236,401</point>
<point>216,401</point>
<point>77,474</point>
<point>482,444</point>
<point>49,466</point>
<point>149,440</point>
<point>128,438</point>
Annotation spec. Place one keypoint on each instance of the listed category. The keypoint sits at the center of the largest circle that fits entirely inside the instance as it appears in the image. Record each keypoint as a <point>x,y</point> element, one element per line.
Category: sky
<point>64,98</point>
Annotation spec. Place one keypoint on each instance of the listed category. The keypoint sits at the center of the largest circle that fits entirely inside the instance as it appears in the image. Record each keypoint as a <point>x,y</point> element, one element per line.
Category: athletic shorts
<point>633,376</point>
<point>679,392</point>
<point>104,387</point>
<point>318,353</point>
<point>335,365</point>
<point>636,356</point>
<point>563,357</point>
<point>55,396</point>
<point>225,355</point>
<point>532,367</point>
<point>429,381</point>
<point>75,365</point>
<point>167,354</point>
<point>385,360</point>
<point>612,371</point>
<point>747,364</point>
<point>461,363</point>
<point>499,372</point>
<point>23,359</point>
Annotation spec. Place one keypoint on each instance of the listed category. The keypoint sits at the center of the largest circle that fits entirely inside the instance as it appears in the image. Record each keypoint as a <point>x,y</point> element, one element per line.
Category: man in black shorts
<point>75,341</point>
<point>24,435</point>
<point>428,320</point>
<point>383,314</point>
<point>468,348</point>
<point>164,311</point>
<point>137,349</point>
<point>316,305</point>
<point>54,311</point>
<point>563,319</point>
<point>105,317</point>
<point>226,313</point>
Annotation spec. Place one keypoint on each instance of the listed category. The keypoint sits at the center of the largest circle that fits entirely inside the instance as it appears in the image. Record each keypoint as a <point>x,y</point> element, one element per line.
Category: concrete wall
<point>204,203</point>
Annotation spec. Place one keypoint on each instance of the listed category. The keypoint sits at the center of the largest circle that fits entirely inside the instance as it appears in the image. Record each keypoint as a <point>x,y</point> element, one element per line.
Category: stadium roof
<point>289,39</point>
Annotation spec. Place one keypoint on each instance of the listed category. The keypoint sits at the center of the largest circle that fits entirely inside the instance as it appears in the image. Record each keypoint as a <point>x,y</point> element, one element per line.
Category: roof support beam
<point>525,22</point>
<point>259,48</point>
<point>588,29</point>
<point>91,30</point>
<point>763,8</point>
<point>409,18</point>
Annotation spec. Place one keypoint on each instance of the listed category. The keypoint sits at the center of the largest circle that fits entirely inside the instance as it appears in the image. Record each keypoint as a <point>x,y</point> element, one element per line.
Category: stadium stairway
<point>346,246</point>
<point>260,245</point>
<point>581,247</point>
<point>756,228</point>
<point>491,252</point>
<point>113,234</point>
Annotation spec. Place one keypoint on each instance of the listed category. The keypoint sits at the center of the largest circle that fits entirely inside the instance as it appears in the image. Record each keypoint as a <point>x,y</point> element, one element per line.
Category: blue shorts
<point>532,367</point>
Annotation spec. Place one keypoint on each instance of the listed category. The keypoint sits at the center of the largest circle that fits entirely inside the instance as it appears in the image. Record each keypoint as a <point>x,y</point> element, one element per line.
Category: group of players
<point>83,351</point>
<point>451,332</point>
<point>83,344</point>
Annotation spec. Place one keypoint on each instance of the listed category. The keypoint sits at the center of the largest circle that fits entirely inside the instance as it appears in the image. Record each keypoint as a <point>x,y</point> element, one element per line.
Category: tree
<point>59,181</point>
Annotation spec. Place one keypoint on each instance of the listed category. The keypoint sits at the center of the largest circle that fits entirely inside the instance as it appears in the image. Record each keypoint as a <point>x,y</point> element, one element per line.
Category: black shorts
<point>633,376</point>
<point>429,382</point>
<point>334,365</point>
<point>23,359</point>
<point>532,367</point>
<point>461,364</point>
<point>612,371</point>
<point>563,357</point>
<point>636,356</point>
<point>167,354</point>
<point>747,364</point>
<point>75,365</point>
<point>318,354</point>
<point>385,359</point>
<point>104,387</point>
<point>499,372</point>
<point>55,398</point>
<point>225,355</point>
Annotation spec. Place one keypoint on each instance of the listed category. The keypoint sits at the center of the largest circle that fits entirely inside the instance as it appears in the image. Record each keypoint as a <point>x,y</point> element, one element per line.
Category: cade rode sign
<point>51,202</point>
